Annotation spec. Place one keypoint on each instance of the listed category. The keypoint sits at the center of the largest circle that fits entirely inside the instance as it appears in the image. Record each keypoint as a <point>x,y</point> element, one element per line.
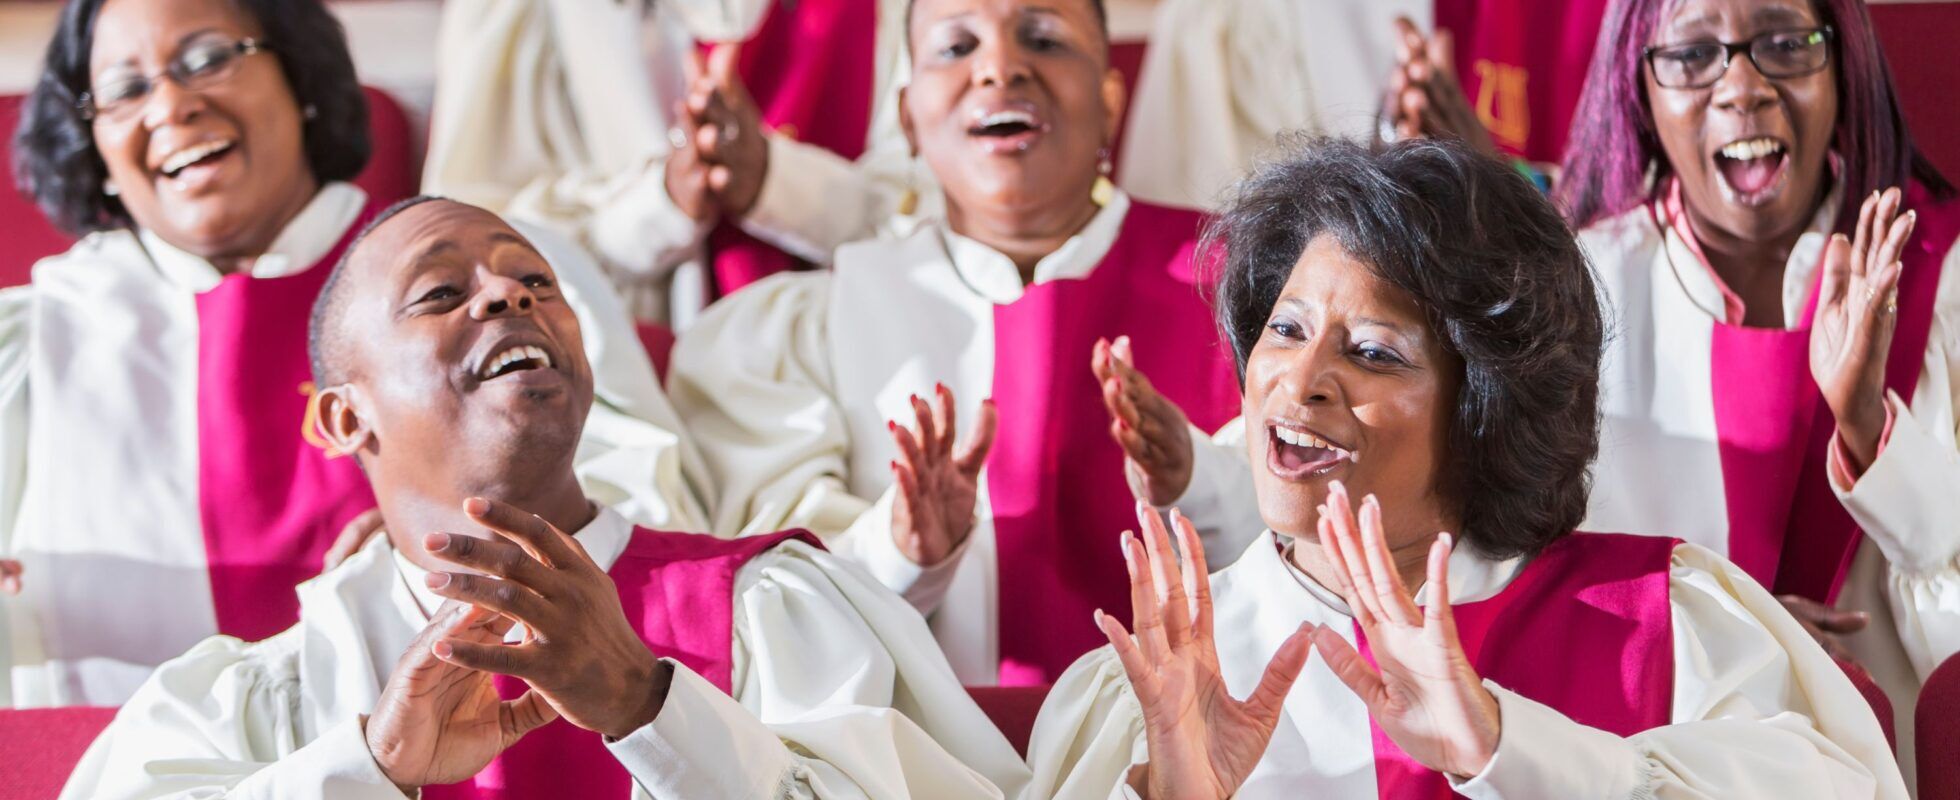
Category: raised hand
<point>437,722</point>
<point>1857,305</point>
<point>9,576</point>
<point>730,138</point>
<point>353,536</point>
<point>1422,692</point>
<point>1424,99</point>
<point>1203,743</point>
<point>687,170</point>
<point>1152,430</point>
<point>932,512</point>
<point>579,653</point>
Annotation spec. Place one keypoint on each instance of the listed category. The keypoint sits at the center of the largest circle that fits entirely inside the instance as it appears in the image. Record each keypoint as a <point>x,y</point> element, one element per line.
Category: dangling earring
<point>908,203</point>
<point>109,188</point>
<point>310,111</point>
<point>1103,191</point>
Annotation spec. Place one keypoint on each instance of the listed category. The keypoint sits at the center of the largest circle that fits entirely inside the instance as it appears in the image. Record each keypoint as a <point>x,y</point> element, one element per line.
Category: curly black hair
<point>1499,276</point>
<point>55,160</point>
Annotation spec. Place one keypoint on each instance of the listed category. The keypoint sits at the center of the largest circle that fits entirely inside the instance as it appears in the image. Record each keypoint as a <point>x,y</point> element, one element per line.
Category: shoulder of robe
<point>223,667</point>
<point>758,315</point>
<point>919,247</point>
<point>102,255</point>
<point>1608,241</point>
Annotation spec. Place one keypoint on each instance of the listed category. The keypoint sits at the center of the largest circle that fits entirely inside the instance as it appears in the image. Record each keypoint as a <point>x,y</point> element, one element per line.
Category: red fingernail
<point>890,425</point>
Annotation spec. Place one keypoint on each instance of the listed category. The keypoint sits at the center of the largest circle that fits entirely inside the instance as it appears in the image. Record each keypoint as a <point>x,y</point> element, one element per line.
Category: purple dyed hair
<point>1613,145</point>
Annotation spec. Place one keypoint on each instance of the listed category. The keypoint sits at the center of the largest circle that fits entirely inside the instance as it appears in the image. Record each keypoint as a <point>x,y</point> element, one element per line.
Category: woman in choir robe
<point>155,484</point>
<point>454,373</point>
<point>796,388</point>
<point>1781,262</point>
<point>1420,340</point>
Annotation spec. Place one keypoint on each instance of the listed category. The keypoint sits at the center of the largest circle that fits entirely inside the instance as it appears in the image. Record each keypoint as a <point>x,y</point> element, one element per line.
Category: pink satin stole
<point>1786,527</point>
<point>678,591</point>
<point>1055,477</point>
<point>271,502</point>
<point>1586,628</point>
<point>810,69</point>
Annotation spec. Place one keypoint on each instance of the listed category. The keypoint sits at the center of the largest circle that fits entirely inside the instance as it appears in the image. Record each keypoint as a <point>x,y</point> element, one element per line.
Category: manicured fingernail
<point>476,506</point>
<point>1448,541</point>
<point>891,426</point>
<point>435,542</point>
<point>436,580</point>
<point>442,649</point>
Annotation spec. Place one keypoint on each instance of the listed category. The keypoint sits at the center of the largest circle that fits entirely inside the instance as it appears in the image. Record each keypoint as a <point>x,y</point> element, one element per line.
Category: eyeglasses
<point>200,65</point>
<point>1777,54</point>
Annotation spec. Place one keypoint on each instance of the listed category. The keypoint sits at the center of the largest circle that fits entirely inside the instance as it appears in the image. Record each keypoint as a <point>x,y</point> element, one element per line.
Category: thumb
<point>1442,51</point>
<point>695,66</point>
<point>1266,701</point>
<point>1837,271</point>
<point>525,714</point>
<point>722,62</point>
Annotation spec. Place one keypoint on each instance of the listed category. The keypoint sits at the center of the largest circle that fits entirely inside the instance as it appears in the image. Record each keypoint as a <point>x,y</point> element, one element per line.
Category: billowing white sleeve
<point>632,455</point>
<point>1088,734</point>
<point>813,200</point>
<point>16,332</point>
<point>752,380</point>
<point>839,692</point>
<point>1220,501</point>
<point>223,721</point>
<point>1759,712</point>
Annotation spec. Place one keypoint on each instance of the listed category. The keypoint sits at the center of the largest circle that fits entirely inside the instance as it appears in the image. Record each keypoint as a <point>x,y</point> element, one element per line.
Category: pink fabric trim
<point>1586,628</point>
<point>1845,469</point>
<point>271,503</point>
<point>678,591</point>
<point>1675,213</point>
<point>1055,478</point>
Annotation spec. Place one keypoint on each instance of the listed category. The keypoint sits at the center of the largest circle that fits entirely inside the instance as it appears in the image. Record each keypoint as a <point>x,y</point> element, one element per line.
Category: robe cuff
<point>1844,467</point>
<point>792,202</point>
<point>1542,753</point>
<point>338,764</point>
<point>869,542</point>
<point>1905,501</point>
<point>703,744</point>
<point>639,230</point>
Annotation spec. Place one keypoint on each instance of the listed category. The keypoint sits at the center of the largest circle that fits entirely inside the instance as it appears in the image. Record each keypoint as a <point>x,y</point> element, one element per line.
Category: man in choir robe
<point>512,634</point>
<point>1396,406</point>
<point>161,361</point>
<point>794,387</point>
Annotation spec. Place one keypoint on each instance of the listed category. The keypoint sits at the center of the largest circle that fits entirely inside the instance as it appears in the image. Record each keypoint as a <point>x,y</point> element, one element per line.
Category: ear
<point>905,124</point>
<point>339,419</point>
<point>1114,99</point>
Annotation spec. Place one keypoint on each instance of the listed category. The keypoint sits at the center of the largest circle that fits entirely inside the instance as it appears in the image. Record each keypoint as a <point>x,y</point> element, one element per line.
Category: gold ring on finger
<point>677,138</point>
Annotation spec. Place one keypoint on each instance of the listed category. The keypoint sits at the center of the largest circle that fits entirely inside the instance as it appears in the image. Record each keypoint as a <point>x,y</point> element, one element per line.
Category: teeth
<point>1007,118</point>
<point>1751,148</point>
<point>190,155</point>
<point>1305,439</point>
<point>516,354</point>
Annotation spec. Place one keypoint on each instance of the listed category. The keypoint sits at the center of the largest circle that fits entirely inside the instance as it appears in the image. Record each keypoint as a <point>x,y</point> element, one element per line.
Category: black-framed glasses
<point>1777,54</point>
<point>200,65</point>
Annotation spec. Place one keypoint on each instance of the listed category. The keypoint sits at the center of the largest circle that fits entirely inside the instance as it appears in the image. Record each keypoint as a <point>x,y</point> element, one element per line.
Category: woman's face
<point>216,171</point>
<point>1349,383</point>
<point>1751,151</point>
<point>1010,102</point>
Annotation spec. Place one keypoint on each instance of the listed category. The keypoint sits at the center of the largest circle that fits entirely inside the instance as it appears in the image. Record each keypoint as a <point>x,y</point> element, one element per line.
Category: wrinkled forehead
<point>431,235</point>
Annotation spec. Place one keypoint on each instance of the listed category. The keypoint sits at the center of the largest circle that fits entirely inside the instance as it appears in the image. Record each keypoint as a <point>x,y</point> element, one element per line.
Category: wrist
<point>381,761</point>
<point>1860,430</point>
<point>659,677</point>
<point>1486,730</point>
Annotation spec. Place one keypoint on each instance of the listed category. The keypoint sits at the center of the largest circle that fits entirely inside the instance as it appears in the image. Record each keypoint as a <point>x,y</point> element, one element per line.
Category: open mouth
<point>1007,129</point>
<point>1752,168</point>
<point>520,358</point>
<point>1297,453</point>
<point>197,155</point>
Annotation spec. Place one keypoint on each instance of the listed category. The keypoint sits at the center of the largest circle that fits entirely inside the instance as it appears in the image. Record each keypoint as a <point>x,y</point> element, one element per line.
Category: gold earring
<point>1103,191</point>
<point>908,203</point>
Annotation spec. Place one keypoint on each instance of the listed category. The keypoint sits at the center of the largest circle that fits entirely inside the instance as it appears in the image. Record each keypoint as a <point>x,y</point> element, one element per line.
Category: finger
<point>980,442</point>
<point>528,530</point>
<point>504,597</point>
<point>1837,272</point>
<point>525,714</point>
<point>1365,594</point>
<point>719,176</point>
<point>928,434</point>
<point>1135,446</point>
<point>1135,664</point>
<point>1442,52</point>
<point>1197,575</point>
<point>1389,589</point>
<point>1347,664</point>
<point>722,63</point>
<point>1127,410</point>
<point>1166,578</point>
<point>909,452</point>
<point>1894,246</point>
<point>1824,617</point>
<point>489,556</point>
<point>1438,615</point>
<point>1330,543</point>
<point>1269,697</point>
<point>451,619</point>
<point>1409,44</point>
<point>695,66</point>
<point>1861,233</point>
<point>10,572</point>
<point>1143,602</point>
<point>1100,360</point>
<point>353,536</point>
<point>945,418</point>
<point>908,483</point>
<point>516,660</point>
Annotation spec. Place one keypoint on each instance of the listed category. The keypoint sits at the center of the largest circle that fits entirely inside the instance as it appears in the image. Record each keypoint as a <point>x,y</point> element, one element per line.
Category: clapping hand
<point>1857,310</point>
<point>1152,430</point>
<point>579,653</point>
<point>932,513</point>
<point>1203,742</point>
<point>1424,98</point>
<point>727,133</point>
<point>1422,692</point>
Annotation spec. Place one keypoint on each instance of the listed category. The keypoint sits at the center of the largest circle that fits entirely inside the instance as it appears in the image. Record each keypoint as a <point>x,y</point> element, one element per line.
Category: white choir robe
<point>1233,74</point>
<point>1660,470</point>
<point>557,112</point>
<point>787,400</point>
<point>839,693</point>
<point>1758,710</point>
<point>112,543</point>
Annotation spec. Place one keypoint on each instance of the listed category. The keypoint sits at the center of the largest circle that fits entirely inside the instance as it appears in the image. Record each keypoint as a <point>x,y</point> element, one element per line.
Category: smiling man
<point>509,632</point>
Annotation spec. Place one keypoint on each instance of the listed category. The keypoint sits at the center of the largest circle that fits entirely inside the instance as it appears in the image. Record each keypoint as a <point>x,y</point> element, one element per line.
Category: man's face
<point>466,360</point>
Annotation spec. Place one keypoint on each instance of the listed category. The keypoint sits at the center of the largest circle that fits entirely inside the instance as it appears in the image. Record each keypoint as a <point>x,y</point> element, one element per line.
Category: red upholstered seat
<point>1875,697</point>
<point>1937,732</point>
<point>393,172</point>
<point>1012,708</point>
<point>39,747</point>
